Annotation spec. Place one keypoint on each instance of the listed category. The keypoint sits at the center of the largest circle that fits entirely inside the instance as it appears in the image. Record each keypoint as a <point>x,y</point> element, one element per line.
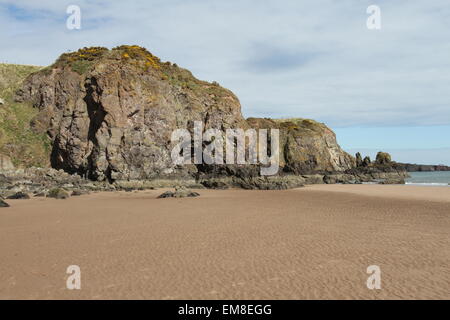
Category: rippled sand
<point>309,243</point>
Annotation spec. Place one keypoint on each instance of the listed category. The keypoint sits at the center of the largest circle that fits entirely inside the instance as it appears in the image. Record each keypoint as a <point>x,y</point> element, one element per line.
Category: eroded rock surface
<point>110,115</point>
<point>113,119</point>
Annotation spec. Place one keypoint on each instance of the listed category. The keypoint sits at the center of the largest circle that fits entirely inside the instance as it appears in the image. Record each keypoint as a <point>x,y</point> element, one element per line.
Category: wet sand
<point>310,243</point>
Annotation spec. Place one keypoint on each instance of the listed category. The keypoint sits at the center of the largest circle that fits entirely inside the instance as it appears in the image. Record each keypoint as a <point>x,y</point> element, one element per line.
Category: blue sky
<point>379,90</point>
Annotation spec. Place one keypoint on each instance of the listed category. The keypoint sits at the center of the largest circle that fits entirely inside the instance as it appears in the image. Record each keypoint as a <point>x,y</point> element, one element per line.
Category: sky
<point>377,89</point>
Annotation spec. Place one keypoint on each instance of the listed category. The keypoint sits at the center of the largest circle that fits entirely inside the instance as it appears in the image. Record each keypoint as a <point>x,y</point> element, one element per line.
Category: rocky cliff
<point>307,146</point>
<point>423,167</point>
<point>382,170</point>
<point>110,115</point>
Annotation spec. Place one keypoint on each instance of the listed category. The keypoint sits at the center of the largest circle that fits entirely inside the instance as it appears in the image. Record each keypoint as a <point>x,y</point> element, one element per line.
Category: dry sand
<point>309,243</point>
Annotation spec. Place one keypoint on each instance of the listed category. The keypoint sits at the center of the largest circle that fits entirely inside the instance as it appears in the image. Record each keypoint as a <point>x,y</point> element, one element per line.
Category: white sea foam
<point>433,178</point>
<point>431,184</point>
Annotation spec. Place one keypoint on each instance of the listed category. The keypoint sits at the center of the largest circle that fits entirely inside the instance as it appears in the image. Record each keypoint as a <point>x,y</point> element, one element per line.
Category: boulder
<point>211,184</point>
<point>359,160</point>
<point>58,193</point>
<point>392,181</point>
<point>19,196</point>
<point>383,158</point>
<point>78,192</point>
<point>366,162</point>
<point>3,204</point>
<point>40,194</point>
<point>341,179</point>
<point>180,192</point>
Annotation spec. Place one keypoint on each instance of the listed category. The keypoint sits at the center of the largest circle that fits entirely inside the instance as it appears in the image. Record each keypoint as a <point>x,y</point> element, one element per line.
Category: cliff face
<point>110,115</point>
<point>306,146</point>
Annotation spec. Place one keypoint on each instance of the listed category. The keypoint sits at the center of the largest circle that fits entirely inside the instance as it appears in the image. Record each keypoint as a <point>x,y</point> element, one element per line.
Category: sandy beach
<point>309,243</point>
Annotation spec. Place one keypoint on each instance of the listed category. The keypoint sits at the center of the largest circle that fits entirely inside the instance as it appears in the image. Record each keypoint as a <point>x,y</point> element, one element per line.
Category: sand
<point>310,243</point>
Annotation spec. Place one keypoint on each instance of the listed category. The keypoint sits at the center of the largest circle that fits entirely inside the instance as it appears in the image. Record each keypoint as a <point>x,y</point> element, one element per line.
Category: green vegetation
<point>175,75</point>
<point>81,61</point>
<point>81,66</point>
<point>181,78</point>
<point>299,124</point>
<point>11,75</point>
<point>17,139</point>
<point>139,54</point>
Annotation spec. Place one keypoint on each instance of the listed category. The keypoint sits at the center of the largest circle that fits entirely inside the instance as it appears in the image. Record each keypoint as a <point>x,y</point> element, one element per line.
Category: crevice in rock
<point>96,114</point>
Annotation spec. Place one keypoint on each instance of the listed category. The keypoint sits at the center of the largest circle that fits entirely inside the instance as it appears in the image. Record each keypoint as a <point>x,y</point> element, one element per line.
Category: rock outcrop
<point>307,146</point>
<point>383,158</point>
<point>359,160</point>
<point>19,196</point>
<point>58,193</point>
<point>3,204</point>
<point>40,181</point>
<point>383,170</point>
<point>110,115</point>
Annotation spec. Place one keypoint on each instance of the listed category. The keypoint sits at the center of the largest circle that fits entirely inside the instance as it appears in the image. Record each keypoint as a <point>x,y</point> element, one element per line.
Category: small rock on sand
<point>3,204</point>
<point>19,196</point>
<point>180,192</point>
<point>58,193</point>
<point>79,192</point>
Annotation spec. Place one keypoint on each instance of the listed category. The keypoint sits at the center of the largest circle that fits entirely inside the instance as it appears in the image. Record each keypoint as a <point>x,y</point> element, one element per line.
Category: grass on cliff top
<point>11,75</point>
<point>291,124</point>
<point>84,59</point>
<point>300,122</point>
<point>17,139</point>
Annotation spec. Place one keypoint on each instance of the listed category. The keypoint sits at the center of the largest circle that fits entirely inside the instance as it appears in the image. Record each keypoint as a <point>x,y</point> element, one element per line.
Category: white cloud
<point>293,58</point>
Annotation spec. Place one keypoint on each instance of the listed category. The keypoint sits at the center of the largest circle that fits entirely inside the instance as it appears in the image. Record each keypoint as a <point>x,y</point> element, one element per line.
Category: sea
<point>432,178</point>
